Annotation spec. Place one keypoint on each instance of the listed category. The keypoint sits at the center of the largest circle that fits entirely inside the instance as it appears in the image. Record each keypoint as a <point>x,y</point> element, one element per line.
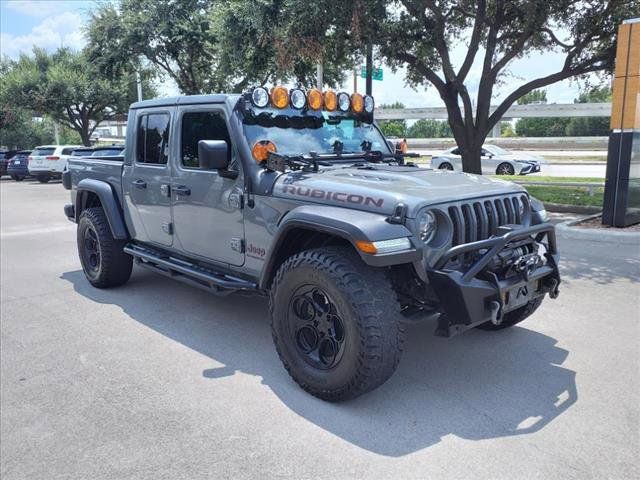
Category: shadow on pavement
<point>476,386</point>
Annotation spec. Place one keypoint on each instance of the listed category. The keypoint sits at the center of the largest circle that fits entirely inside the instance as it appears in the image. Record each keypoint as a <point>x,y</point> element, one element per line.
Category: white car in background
<point>49,161</point>
<point>495,161</point>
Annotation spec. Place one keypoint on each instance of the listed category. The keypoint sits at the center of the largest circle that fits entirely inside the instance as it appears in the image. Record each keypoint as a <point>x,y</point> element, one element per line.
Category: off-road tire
<point>17,178</point>
<point>373,333</point>
<point>43,178</point>
<point>445,166</point>
<point>113,267</point>
<point>505,169</point>
<point>516,316</point>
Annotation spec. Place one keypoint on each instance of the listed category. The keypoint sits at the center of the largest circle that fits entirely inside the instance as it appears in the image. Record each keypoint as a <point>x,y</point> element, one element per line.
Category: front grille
<point>478,220</point>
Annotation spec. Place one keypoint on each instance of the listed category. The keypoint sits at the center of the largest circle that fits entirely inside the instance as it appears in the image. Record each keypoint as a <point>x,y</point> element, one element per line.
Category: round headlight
<point>427,226</point>
<point>344,102</point>
<point>368,104</point>
<point>260,97</point>
<point>298,98</point>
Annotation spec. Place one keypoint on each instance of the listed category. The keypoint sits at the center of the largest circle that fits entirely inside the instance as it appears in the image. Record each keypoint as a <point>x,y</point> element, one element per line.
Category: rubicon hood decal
<point>380,189</point>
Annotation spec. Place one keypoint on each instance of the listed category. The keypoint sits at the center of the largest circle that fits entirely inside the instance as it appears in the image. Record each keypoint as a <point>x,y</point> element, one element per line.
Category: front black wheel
<point>17,178</point>
<point>445,166</point>
<point>335,323</point>
<point>102,257</point>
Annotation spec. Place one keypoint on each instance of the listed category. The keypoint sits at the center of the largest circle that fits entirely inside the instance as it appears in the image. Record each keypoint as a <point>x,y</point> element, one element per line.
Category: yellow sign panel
<point>626,84</point>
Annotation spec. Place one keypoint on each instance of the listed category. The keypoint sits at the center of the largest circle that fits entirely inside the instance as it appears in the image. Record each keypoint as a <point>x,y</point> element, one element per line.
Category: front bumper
<point>468,301</point>
<point>530,168</point>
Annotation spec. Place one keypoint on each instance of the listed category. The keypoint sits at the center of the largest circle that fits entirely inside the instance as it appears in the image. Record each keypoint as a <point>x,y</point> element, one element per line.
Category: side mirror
<point>213,154</point>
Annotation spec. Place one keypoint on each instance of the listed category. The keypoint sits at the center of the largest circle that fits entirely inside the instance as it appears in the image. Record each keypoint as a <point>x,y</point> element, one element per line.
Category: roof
<point>186,100</point>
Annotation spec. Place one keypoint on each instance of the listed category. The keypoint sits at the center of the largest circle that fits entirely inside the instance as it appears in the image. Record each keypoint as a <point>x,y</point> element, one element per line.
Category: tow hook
<point>527,264</point>
<point>495,308</point>
<point>552,285</point>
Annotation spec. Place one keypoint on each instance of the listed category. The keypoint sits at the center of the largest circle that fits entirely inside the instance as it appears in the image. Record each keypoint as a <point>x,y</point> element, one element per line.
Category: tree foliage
<point>420,35</point>
<point>65,87</point>
<point>429,128</point>
<point>204,46</point>
<point>393,128</point>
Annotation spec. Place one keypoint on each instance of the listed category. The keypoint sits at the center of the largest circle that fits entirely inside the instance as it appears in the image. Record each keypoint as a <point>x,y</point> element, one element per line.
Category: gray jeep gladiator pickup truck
<point>296,194</point>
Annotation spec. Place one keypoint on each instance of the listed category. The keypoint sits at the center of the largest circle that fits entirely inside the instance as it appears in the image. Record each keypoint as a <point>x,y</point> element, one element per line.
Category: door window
<point>153,139</point>
<point>198,126</point>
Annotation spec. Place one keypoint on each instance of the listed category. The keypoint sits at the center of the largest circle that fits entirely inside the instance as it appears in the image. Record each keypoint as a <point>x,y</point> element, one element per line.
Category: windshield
<point>107,152</point>
<point>496,150</point>
<point>331,135</point>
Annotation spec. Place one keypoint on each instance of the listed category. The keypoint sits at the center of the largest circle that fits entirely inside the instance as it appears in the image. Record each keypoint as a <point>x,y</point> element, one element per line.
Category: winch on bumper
<point>498,275</point>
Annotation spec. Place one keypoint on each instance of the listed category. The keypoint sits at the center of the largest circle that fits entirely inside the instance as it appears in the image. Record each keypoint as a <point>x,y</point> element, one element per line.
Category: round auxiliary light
<point>314,99</point>
<point>427,225</point>
<point>344,102</point>
<point>368,104</point>
<point>279,97</point>
<point>260,97</point>
<point>357,103</point>
<point>298,98</point>
<point>330,100</point>
<point>261,149</point>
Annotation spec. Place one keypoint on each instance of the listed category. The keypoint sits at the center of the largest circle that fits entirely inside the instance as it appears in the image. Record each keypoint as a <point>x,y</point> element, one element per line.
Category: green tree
<point>533,97</point>
<point>204,46</point>
<point>19,130</point>
<point>420,35</point>
<point>65,87</point>
<point>393,128</point>
<point>429,128</point>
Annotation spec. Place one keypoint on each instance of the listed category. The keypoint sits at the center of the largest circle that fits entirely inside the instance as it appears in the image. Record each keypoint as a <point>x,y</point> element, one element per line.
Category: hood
<point>380,188</point>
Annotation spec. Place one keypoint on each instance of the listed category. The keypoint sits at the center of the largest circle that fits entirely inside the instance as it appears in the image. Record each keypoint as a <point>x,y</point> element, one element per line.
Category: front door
<point>207,207</point>
<point>147,180</point>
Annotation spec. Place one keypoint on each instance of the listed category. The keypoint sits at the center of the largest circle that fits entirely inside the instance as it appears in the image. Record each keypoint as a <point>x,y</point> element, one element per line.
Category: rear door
<point>146,182</point>
<point>207,207</point>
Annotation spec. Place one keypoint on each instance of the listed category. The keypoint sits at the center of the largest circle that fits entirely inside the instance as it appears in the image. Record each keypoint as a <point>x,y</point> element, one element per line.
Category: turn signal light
<point>279,97</point>
<point>53,157</point>
<point>261,149</point>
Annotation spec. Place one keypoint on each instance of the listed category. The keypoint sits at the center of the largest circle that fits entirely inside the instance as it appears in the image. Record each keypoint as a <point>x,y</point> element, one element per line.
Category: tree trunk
<point>471,157</point>
<point>84,134</point>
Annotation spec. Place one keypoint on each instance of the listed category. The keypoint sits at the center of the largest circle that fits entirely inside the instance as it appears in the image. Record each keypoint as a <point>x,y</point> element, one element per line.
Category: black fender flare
<point>110,205</point>
<point>350,225</point>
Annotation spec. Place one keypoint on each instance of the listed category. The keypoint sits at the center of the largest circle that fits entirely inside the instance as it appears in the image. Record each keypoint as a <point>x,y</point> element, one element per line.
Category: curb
<point>561,208</point>
<point>576,164</point>
<point>565,230</point>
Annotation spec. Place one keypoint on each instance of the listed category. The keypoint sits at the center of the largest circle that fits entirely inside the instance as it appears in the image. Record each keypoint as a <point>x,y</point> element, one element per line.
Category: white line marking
<point>36,231</point>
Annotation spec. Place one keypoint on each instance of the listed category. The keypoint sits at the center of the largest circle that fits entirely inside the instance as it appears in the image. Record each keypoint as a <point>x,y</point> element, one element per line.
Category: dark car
<point>5,156</point>
<point>18,167</point>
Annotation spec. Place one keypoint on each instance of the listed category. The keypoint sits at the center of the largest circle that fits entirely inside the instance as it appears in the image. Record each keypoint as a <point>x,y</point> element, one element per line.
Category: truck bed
<point>106,169</point>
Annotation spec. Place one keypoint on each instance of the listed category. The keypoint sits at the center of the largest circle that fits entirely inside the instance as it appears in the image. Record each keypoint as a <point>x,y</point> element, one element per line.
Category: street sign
<point>376,74</point>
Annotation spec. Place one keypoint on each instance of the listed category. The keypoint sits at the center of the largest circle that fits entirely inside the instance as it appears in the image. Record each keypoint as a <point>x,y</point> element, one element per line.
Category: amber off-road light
<point>314,99</point>
<point>357,103</point>
<point>344,102</point>
<point>279,97</point>
<point>330,100</point>
<point>261,149</point>
<point>260,97</point>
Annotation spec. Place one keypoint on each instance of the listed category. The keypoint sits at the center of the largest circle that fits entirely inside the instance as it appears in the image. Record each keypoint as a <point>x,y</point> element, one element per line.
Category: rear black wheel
<point>17,178</point>
<point>102,257</point>
<point>513,318</point>
<point>505,169</point>
<point>335,323</point>
<point>445,166</point>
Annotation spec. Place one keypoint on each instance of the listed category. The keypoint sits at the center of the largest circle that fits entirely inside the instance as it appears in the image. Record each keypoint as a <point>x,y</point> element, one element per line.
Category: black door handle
<point>141,184</point>
<point>182,190</point>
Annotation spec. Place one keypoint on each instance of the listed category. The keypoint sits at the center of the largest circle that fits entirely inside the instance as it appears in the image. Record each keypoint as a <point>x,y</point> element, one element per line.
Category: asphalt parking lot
<point>159,380</point>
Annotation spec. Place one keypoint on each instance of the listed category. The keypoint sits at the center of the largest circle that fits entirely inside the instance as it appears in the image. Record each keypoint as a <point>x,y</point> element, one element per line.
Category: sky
<point>53,23</point>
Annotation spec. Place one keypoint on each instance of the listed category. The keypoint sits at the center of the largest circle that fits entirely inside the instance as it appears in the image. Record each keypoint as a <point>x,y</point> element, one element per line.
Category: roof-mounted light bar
<point>312,99</point>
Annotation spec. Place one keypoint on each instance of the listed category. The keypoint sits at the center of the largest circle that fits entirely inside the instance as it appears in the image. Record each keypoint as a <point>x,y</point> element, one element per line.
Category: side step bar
<point>187,272</point>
